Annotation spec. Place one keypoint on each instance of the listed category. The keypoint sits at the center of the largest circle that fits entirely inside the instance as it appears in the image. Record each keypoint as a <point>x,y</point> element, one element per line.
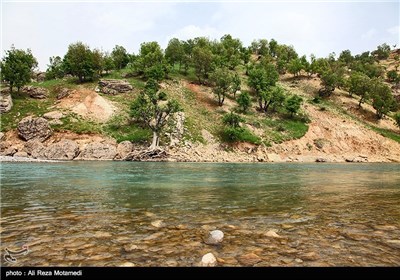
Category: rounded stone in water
<point>215,237</point>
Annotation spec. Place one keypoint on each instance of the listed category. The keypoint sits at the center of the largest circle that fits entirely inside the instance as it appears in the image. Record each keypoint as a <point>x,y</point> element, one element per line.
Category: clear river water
<point>158,214</point>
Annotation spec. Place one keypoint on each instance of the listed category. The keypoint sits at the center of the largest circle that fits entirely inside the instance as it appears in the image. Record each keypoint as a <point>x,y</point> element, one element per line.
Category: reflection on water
<point>100,213</point>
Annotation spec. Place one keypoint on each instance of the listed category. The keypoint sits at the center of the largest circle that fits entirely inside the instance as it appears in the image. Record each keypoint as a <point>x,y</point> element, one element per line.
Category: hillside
<point>88,124</point>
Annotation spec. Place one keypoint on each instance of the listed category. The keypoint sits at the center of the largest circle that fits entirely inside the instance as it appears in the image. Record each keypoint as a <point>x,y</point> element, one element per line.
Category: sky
<point>318,27</point>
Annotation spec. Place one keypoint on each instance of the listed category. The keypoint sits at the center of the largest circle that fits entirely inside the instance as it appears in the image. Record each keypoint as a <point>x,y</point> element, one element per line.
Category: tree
<point>174,53</point>
<point>274,97</point>
<point>79,62</point>
<point>359,84</point>
<point>98,62</point>
<point>244,101</point>
<point>222,84</point>
<point>231,51</point>
<point>346,57</point>
<point>120,57</point>
<point>202,59</point>
<point>150,61</point>
<point>233,130</point>
<point>108,62</point>
<point>382,51</point>
<point>236,84</point>
<point>382,98</point>
<point>295,66</point>
<point>261,79</point>
<point>329,80</point>
<point>152,108</point>
<point>273,46</point>
<point>55,70</point>
<point>293,104</point>
<point>16,67</point>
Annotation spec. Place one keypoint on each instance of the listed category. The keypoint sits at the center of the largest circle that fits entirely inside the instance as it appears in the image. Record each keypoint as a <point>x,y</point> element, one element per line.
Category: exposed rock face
<point>34,128</point>
<point>178,128</point>
<point>158,224</point>
<point>123,149</point>
<point>208,260</point>
<point>249,259</point>
<point>5,101</point>
<point>36,92</point>
<point>35,148</point>
<point>215,237</point>
<point>64,92</point>
<point>97,150</point>
<point>39,76</point>
<point>65,149</point>
<point>109,86</point>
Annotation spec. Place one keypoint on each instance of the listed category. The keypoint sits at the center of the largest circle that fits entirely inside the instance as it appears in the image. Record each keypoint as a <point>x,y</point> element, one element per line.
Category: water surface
<point>101,213</point>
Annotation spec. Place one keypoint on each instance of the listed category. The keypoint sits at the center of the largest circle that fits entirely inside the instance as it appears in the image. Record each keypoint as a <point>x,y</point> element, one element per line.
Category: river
<point>157,214</point>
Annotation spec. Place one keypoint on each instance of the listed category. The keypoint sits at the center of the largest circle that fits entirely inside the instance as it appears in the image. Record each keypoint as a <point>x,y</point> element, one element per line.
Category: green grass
<point>281,130</point>
<point>121,129</point>
<point>24,106</point>
<point>77,124</point>
<point>385,132</point>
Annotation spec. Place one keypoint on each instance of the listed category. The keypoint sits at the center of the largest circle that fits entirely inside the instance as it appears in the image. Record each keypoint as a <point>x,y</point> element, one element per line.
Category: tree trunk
<point>260,103</point>
<point>156,141</point>
<point>361,101</point>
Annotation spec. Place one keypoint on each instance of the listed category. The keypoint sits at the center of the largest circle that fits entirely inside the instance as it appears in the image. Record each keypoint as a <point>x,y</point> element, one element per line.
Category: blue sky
<point>311,27</point>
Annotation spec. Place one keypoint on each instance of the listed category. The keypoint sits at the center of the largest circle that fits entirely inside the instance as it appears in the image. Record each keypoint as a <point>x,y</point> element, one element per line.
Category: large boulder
<point>65,149</point>
<point>5,101</point>
<point>98,150</point>
<point>124,149</point>
<point>34,128</point>
<point>109,86</point>
<point>36,92</point>
<point>35,149</point>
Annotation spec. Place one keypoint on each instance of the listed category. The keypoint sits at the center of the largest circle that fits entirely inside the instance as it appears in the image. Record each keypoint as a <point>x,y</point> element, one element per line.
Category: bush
<point>397,118</point>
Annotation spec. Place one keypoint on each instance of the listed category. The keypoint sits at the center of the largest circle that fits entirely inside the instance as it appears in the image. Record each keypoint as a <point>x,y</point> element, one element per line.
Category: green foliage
<point>202,62</point>
<point>397,118</point>
<point>244,101</point>
<point>16,67</point>
<point>150,61</point>
<point>119,57</point>
<point>285,129</point>
<point>274,97</point>
<point>233,132</point>
<point>175,52</point>
<point>382,98</point>
<point>261,79</point>
<point>393,76</point>
<point>222,81</point>
<point>79,61</point>
<point>329,81</point>
<point>150,109</point>
<point>231,54</point>
<point>382,51</point>
<point>295,66</point>
<point>346,57</point>
<point>293,104</point>
<point>55,70</point>
<point>120,128</point>
<point>359,84</point>
<point>232,120</point>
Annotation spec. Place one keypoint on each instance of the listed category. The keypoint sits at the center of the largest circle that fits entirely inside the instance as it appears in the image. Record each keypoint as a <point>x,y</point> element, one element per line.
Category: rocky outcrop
<point>64,92</point>
<point>36,92</point>
<point>5,101</point>
<point>109,86</point>
<point>21,154</point>
<point>54,117</point>
<point>124,149</point>
<point>35,149</point>
<point>39,76</point>
<point>63,150</point>
<point>178,128</point>
<point>98,151</point>
<point>34,128</point>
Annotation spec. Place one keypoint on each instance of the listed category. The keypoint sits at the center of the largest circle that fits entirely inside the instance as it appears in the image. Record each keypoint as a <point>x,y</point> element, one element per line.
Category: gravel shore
<point>23,159</point>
